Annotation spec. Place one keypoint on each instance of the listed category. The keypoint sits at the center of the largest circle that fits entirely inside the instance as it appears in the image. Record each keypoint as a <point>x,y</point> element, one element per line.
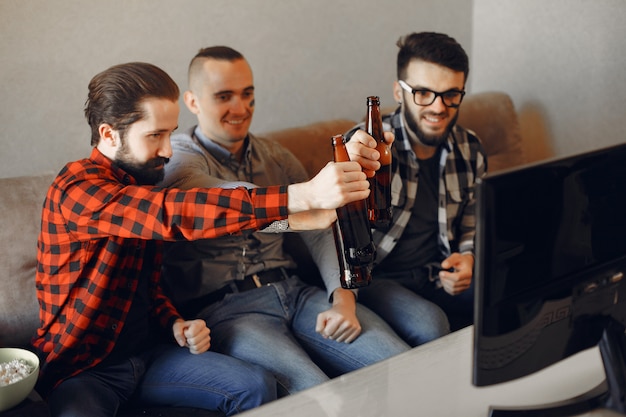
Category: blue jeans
<point>274,327</point>
<point>415,296</point>
<point>166,376</point>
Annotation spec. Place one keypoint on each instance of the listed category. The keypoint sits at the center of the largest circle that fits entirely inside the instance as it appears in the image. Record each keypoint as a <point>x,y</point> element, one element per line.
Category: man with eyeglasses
<point>428,250</point>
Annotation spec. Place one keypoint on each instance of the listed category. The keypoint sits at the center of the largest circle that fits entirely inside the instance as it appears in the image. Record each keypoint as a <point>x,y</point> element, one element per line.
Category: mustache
<point>436,114</point>
<point>156,162</point>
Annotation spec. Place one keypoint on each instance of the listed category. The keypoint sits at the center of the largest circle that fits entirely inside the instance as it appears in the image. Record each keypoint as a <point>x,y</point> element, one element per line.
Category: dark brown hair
<point>115,95</point>
<point>436,48</point>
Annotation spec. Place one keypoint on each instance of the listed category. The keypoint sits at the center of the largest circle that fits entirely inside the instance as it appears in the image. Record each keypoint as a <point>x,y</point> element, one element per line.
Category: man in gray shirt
<point>242,284</point>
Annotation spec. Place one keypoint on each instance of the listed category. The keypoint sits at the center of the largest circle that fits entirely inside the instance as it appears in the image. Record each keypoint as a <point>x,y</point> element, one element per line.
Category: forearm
<point>344,298</point>
<point>321,246</point>
<point>298,199</point>
<point>164,310</point>
<point>168,214</point>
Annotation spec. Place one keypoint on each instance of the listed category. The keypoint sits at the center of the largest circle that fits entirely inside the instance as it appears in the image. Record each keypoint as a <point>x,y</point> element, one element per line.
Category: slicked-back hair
<point>220,53</point>
<point>436,48</point>
<point>116,94</point>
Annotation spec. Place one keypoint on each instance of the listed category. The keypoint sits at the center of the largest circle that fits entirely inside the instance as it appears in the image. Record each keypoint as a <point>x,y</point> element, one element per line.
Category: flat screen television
<point>549,270</point>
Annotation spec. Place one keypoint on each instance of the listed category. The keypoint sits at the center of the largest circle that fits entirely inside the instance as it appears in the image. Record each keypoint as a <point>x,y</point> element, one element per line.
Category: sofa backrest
<point>21,200</point>
<point>311,143</point>
<point>491,115</point>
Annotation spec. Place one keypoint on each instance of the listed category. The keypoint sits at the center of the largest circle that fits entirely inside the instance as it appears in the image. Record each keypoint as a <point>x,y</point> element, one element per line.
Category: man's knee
<point>259,387</point>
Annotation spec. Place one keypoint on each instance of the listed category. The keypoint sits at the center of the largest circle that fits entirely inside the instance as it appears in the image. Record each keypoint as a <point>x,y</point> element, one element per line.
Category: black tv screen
<point>550,264</point>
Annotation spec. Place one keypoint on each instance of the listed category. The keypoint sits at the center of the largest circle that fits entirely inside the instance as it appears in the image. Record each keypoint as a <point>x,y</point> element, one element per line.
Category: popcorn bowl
<point>19,369</point>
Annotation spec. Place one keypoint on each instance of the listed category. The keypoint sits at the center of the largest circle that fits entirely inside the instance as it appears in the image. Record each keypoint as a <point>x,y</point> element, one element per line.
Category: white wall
<point>312,59</point>
<point>564,64</point>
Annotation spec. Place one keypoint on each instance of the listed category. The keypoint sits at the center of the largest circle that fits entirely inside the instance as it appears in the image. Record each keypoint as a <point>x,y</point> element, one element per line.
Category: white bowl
<point>14,393</point>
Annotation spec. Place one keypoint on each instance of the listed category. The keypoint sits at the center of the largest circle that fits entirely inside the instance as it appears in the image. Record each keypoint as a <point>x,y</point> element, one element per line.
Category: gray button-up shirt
<point>194,269</point>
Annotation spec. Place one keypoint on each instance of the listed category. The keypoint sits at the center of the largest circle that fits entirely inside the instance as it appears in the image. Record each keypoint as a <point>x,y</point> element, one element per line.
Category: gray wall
<point>312,59</point>
<point>564,64</point>
<point>562,61</point>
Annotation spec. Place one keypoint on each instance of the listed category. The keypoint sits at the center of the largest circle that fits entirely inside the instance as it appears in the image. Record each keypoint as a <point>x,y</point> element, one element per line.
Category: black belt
<point>257,280</point>
<point>249,282</point>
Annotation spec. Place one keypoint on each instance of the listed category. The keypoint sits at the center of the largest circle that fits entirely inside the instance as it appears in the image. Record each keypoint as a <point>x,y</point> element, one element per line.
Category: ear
<point>109,141</point>
<point>108,135</point>
<point>191,101</point>
<point>397,92</point>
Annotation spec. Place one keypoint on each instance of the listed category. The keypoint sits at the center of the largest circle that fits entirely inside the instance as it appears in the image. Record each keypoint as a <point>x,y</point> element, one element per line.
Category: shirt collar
<point>223,155</point>
<point>122,176</point>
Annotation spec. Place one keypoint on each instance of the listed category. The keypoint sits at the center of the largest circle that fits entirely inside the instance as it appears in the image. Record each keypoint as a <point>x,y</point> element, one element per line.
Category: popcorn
<point>13,371</point>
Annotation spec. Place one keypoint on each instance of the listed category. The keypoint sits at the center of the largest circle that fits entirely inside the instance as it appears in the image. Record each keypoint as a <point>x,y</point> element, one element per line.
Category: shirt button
<point>114,326</point>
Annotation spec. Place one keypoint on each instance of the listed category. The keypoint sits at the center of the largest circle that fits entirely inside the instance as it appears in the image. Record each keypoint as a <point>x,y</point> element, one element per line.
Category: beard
<point>146,173</point>
<point>424,138</point>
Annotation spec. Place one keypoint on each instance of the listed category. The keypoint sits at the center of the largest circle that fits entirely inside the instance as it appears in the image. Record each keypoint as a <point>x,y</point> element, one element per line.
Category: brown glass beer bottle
<point>379,200</point>
<point>350,276</point>
<point>354,236</point>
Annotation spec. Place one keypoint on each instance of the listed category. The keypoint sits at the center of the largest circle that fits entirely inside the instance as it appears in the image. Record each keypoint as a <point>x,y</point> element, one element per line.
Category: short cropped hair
<point>220,53</point>
<point>436,48</point>
<point>115,95</point>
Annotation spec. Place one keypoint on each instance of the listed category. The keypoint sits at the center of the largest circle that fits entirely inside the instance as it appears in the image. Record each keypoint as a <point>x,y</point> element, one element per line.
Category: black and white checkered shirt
<point>462,161</point>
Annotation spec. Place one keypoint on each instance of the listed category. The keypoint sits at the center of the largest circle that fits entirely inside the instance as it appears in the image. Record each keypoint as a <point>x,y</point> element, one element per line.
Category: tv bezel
<point>602,280</point>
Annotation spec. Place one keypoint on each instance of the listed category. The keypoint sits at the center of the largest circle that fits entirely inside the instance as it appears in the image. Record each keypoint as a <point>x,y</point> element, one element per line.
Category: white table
<point>435,380</point>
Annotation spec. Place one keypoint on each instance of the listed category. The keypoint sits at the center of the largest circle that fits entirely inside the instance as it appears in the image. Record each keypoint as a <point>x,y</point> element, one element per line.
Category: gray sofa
<point>491,115</point>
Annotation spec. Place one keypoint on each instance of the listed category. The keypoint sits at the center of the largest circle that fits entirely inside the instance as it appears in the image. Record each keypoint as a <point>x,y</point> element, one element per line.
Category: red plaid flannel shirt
<point>96,223</point>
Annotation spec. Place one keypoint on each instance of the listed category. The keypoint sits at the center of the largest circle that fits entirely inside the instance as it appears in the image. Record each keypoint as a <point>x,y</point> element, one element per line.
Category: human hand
<point>337,184</point>
<point>362,149</point>
<point>340,323</point>
<point>460,279</point>
<point>192,333</point>
<point>312,219</point>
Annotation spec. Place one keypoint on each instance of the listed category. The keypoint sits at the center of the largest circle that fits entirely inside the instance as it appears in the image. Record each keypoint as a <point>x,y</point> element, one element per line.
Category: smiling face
<point>429,125</point>
<point>222,97</point>
<point>145,147</point>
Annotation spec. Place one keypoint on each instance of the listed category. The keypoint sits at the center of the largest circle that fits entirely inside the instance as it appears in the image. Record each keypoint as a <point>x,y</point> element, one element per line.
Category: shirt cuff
<point>270,203</point>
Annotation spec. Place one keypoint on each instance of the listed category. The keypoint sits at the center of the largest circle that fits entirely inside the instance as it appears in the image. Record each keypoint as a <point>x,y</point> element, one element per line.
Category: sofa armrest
<point>21,200</point>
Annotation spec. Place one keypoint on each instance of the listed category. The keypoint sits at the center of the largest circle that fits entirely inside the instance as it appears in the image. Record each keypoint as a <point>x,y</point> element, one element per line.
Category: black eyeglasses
<point>426,97</point>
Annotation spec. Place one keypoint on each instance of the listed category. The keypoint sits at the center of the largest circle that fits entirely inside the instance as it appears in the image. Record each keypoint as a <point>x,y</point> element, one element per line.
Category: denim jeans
<point>274,326</point>
<point>434,311</point>
<point>166,376</point>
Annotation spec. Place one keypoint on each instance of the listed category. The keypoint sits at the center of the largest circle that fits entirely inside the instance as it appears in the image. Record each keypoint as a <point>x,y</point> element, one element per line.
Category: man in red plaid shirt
<point>108,334</point>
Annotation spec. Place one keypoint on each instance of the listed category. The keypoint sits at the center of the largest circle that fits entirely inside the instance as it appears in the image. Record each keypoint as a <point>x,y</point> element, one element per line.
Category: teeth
<point>235,122</point>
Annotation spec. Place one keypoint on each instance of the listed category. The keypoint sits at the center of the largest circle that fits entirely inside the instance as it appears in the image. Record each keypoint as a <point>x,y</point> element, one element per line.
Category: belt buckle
<point>256,280</point>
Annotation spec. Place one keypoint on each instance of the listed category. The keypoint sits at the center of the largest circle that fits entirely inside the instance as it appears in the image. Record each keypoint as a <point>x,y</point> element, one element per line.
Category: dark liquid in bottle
<point>379,200</point>
<point>353,235</point>
<point>351,276</point>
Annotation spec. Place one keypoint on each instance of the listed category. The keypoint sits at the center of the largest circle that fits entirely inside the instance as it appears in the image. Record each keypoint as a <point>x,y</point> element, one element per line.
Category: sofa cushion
<point>21,199</point>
